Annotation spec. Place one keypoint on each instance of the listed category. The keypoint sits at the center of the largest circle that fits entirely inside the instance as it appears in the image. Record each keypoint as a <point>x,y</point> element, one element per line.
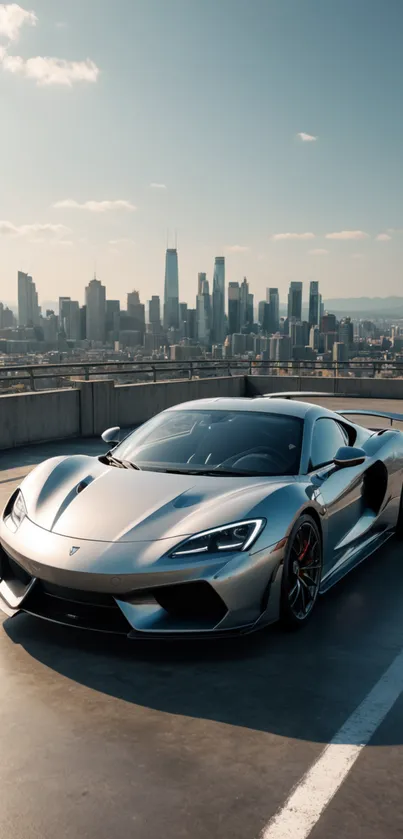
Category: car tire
<point>301,573</point>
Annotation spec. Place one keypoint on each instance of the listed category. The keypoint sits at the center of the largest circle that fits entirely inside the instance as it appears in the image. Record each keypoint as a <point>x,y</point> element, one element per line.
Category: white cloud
<point>44,70</point>
<point>95,206</point>
<point>123,241</point>
<point>318,252</point>
<point>279,237</point>
<point>307,138</point>
<point>157,186</point>
<point>34,232</point>
<point>357,256</point>
<point>61,24</point>
<point>383,237</point>
<point>51,71</point>
<point>237,248</point>
<point>12,19</point>
<point>348,235</point>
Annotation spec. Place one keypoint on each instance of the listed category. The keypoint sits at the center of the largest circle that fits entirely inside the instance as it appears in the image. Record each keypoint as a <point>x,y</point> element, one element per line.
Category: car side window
<point>328,436</point>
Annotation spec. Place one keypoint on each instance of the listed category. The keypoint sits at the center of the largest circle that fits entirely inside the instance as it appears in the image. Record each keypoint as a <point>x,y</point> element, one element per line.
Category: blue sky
<point>207,99</point>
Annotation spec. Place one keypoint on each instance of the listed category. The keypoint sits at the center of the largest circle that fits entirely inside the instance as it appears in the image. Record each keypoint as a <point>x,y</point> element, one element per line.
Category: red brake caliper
<point>304,551</point>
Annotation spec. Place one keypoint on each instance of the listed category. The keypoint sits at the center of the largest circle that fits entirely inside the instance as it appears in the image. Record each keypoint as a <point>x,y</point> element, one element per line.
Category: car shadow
<point>300,685</point>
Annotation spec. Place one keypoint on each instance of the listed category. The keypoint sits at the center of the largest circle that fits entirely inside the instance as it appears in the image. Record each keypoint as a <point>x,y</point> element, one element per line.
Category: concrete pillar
<point>97,407</point>
<point>104,406</point>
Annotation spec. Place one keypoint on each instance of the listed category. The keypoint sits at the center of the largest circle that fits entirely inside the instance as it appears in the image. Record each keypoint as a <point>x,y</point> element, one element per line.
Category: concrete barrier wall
<point>93,406</point>
<point>37,417</point>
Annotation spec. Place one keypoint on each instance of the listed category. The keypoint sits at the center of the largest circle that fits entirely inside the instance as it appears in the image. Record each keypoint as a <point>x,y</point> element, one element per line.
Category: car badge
<point>73,550</point>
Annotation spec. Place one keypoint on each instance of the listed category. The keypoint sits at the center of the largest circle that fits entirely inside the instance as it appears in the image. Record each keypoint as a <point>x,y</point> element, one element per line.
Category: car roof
<point>285,407</point>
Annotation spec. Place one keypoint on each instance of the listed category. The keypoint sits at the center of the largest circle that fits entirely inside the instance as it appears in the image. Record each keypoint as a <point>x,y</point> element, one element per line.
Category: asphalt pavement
<point>104,737</point>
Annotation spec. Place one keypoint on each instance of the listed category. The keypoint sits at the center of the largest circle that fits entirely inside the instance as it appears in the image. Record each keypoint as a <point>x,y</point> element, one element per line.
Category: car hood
<point>82,498</point>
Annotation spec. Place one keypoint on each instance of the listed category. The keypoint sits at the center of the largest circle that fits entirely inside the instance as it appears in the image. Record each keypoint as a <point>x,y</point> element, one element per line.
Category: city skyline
<point>238,143</point>
<point>228,303</point>
<point>223,323</point>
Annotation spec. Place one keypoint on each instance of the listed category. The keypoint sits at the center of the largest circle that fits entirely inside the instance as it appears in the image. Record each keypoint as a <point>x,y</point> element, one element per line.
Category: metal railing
<point>64,372</point>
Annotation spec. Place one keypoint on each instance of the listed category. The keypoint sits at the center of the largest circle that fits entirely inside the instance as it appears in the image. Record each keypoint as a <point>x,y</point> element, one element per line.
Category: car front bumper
<point>135,588</point>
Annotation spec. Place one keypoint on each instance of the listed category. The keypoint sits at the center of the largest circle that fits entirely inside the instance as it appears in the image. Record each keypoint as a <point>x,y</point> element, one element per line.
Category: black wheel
<point>399,523</point>
<point>302,573</point>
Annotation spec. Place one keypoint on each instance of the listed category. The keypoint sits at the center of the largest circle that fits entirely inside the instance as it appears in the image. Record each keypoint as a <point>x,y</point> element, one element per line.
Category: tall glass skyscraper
<point>234,308</point>
<point>272,297</point>
<point>203,314</point>
<point>295,301</point>
<point>219,300</point>
<point>244,302</point>
<point>95,301</point>
<point>201,279</point>
<point>28,309</point>
<point>314,303</point>
<point>171,290</point>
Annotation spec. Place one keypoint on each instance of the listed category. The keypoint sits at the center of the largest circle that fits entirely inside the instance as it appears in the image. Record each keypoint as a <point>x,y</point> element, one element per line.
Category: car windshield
<point>219,442</point>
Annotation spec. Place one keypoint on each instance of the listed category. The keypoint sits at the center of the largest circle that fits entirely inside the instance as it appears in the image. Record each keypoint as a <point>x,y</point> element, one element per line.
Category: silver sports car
<point>215,517</point>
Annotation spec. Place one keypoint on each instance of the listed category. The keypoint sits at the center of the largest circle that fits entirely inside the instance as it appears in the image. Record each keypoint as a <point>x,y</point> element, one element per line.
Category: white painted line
<point>316,789</point>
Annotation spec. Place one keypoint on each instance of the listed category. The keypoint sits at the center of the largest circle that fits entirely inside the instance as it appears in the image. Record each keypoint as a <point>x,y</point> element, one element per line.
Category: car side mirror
<point>349,456</point>
<point>111,435</point>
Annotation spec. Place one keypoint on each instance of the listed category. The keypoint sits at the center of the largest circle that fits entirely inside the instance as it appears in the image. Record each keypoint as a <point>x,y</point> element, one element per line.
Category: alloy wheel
<point>304,571</point>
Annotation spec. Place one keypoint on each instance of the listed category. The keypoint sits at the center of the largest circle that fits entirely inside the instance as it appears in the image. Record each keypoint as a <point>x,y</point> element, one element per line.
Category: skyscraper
<point>69,318</point>
<point>314,303</point>
<point>264,315</point>
<point>112,320</point>
<point>346,332</point>
<point>28,309</point>
<point>272,297</point>
<point>280,348</point>
<point>136,311</point>
<point>201,278</point>
<point>314,337</point>
<point>328,323</point>
<point>219,300</point>
<point>72,321</point>
<point>171,290</point>
<point>244,302</point>
<point>7,318</point>
<point>250,310</point>
<point>234,308</point>
<point>192,324</point>
<point>183,319</point>
<point>154,314</point>
<point>63,308</point>
<point>95,296</point>
<point>50,327</point>
<point>295,301</point>
<point>203,314</point>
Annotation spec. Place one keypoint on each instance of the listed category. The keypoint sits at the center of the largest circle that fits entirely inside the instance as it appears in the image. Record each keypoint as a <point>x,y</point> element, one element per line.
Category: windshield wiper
<point>115,461</point>
<point>226,473</point>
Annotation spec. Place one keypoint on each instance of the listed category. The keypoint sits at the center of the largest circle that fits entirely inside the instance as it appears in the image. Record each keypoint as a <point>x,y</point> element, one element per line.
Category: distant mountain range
<point>366,306</point>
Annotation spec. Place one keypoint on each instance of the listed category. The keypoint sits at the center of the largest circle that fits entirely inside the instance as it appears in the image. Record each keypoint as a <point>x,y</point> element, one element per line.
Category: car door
<point>338,490</point>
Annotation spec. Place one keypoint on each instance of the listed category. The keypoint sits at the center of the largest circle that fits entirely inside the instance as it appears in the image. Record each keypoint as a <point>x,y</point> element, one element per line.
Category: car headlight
<point>238,536</point>
<point>18,510</point>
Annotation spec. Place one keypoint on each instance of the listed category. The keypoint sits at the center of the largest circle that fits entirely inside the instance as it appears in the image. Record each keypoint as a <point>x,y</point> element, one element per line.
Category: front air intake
<point>191,601</point>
